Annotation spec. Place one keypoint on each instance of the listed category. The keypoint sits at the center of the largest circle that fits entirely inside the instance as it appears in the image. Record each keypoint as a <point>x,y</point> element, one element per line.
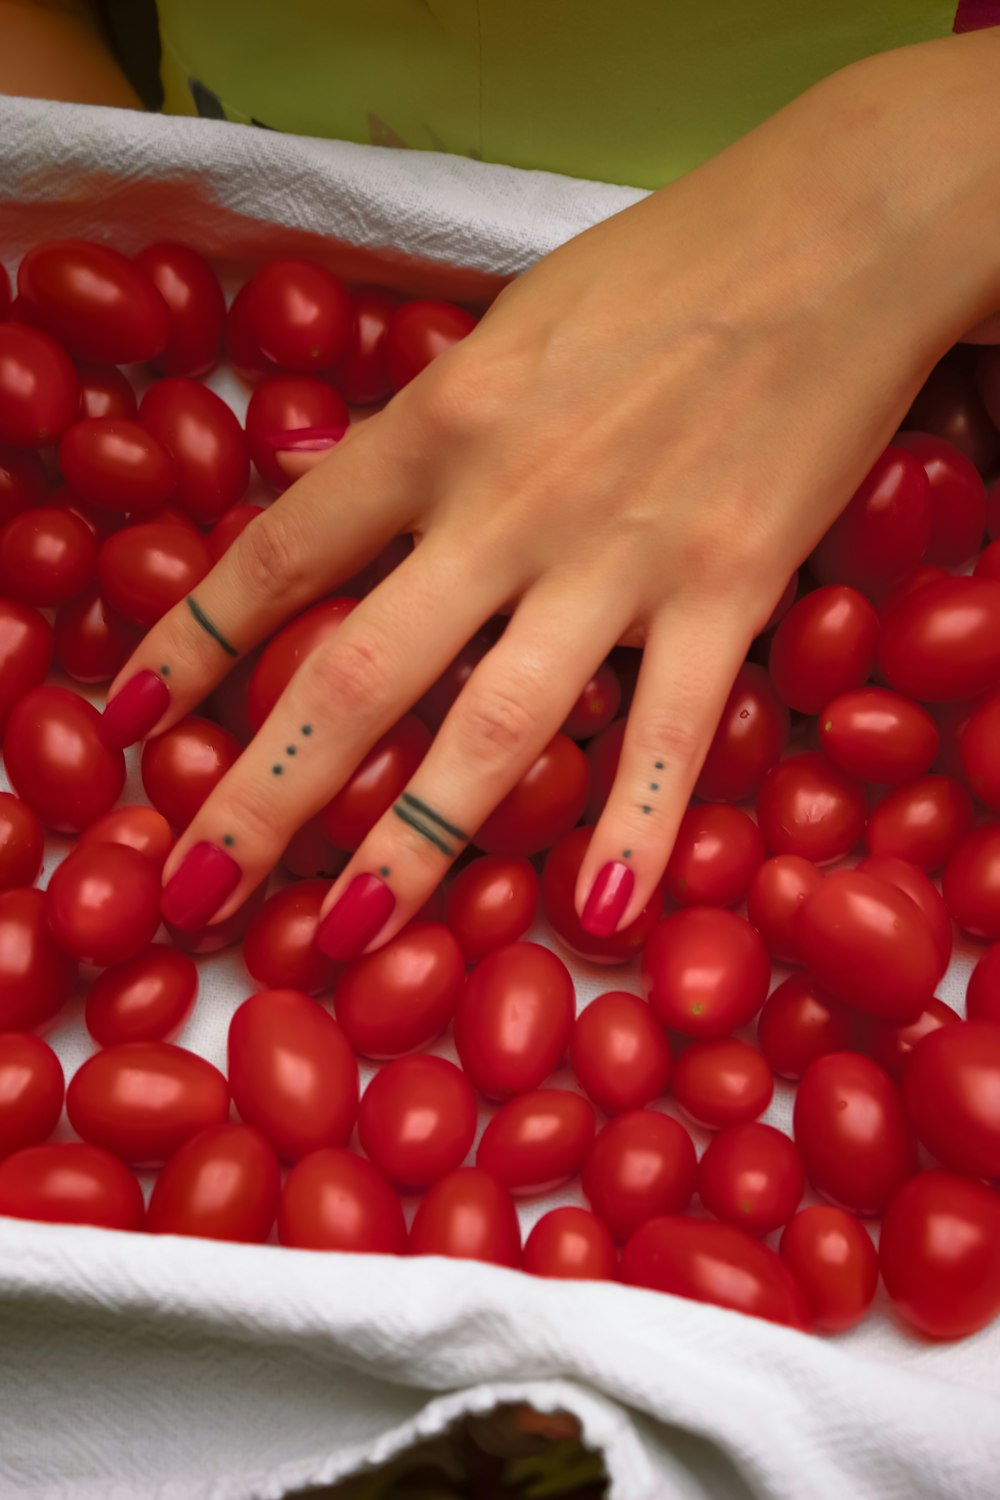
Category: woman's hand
<point>644,436</point>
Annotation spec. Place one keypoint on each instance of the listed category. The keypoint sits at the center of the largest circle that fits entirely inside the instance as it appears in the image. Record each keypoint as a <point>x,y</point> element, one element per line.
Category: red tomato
<point>490,903</point>
<point>299,314</point>
<point>715,854</point>
<point>834,1262</point>
<point>918,579</point>
<point>705,972</point>
<point>543,806</point>
<point>222,1184</point>
<point>403,995</point>
<point>808,806</point>
<point>952,1092</point>
<point>825,645</point>
<point>279,949</point>
<point>103,904</point>
<point>181,767</point>
<point>94,301</point>
<point>292,1072</point>
<point>31,1091</point>
<point>228,527</point>
<point>922,822</point>
<point>417,1120</point>
<point>603,754</point>
<point>143,1100</point>
<point>971,882</point>
<point>4,294</point>
<point>514,1019</point>
<point>891,1046</point>
<point>852,1132</point>
<point>800,1023</point>
<point>468,1215</point>
<point>938,1254</point>
<point>145,570</point>
<point>942,643</point>
<point>536,1143</point>
<point>912,881</point>
<point>47,555</point>
<point>596,706</point>
<point>361,374</point>
<point>977,748</point>
<point>115,464</point>
<point>436,703</point>
<point>950,406</point>
<point>25,654</point>
<point>883,533</point>
<point>36,976</point>
<point>242,348</point>
<point>988,562</point>
<point>310,853</point>
<point>105,392</point>
<point>958,498</point>
<point>22,481</point>
<point>982,998</point>
<point>21,843</point>
<point>57,762</point>
<point>418,332</point>
<point>289,403</point>
<point>559,875</point>
<point>752,1176</point>
<point>722,1083</point>
<point>147,998</point>
<point>776,892</point>
<point>206,442</point>
<point>92,642</point>
<point>138,827</point>
<point>196,308</point>
<point>219,935</point>
<point>878,735</point>
<point>619,1052</point>
<point>993,509</point>
<point>334,1200</point>
<point>715,1263</point>
<point>369,793</point>
<point>285,653</point>
<point>641,1164</point>
<point>39,388</point>
<point>751,737</point>
<point>70,1183</point>
<point>571,1245</point>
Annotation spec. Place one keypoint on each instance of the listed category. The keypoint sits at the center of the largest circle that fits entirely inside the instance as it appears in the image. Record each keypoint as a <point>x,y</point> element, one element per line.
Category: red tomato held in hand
<point>619,1052</point>
<point>912,881</point>
<point>181,767</point>
<point>56,761</point>
<point>39,388</point>
<point>751,737</point>
<point>279,949</point>
<point>834,1262</point>
<point>971,882</point>
<point>942,644</point>
<point>418,332</point>
<point>958,498</point>
<point>570,1244</point>
<point>808,806</point>
<point>938,1254</point>
<point>641,1164</point>
<point>145,570</point>
<point>289,403</point>
<point>222,1184</point>
<point>70,1183</point>
<point>469,1216</point>
<point>105,392</point>
<point>705,972</point>
<point>403,995</point>
<point>205,441</point>
<point>714,1263</point>
<point>825,645</point>
<point>292,1072</point>
<point>147,998</point>
<point>94,301</point>
<point>536,1143</point>
<point>228,527</point>
<point>196,308</point>
<point>299,314</point>
<point>596,706</point>
<point>543,806</point>
<point>922,822</point>
<point>878,735</point>
<point>752,1176</point>
<point>103,904</point>
<point>852,1132</point>
<point>92,642</point>
<point>334,1200</point>
<point>722,1083</point>
<point>776,892</point>
<point>31,1091</point>
<point>25,654</point>
<point>142,1100</point>
<point>417,1120</point>
<point>892,1046</point>
<point>116,465</point>
<point>883,533</point>
<point>982,998</point>
<point>952,1092</point>
<point>372,789</point>
<point>514,1019</point>
<point>36,976</point>
<point>715,854</point>
<point>138,827</point>
<point>490,903</point>
<point>362,374</point>
<point>559,876</point>
<point>800,1023</point>
<point>285,653</point>
<point>21,843</point>
<point>47,555</point>
<point>22,482</point>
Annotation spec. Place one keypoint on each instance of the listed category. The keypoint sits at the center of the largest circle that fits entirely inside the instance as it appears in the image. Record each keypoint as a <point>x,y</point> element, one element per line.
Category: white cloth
<point>186,1370</point>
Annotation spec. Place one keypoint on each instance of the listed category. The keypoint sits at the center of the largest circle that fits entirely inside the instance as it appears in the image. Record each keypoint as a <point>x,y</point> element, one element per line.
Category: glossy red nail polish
<point>358,916</point>
<point>134,710</point>
<point>192,896</point>
<point>609,896</point>
<point>305,439</point>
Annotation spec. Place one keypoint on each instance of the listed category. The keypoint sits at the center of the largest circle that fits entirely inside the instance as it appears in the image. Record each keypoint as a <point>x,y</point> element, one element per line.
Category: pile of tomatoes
<point>862,731</point>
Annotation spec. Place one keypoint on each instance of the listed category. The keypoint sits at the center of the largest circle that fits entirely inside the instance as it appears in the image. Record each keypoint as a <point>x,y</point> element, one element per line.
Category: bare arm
<point>56,49</point>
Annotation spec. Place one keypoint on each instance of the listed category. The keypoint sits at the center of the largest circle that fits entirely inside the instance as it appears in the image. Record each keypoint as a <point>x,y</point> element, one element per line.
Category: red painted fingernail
<point>357,917</point>
<point>609,896</point>
<point>305,439</point>
<point>134,710</point>
<point>192,896</point>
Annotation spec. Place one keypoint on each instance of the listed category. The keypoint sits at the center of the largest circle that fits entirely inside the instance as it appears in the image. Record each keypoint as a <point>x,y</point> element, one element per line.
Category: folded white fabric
<point>134,1367</point>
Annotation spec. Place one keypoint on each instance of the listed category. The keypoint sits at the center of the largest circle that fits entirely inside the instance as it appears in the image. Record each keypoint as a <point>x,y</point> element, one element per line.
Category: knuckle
<point>246,807</point>
<point>348,678</point>
<point>461,395</point>
<point>270,558</point>
<point>496,723</point>
<point>675,742</point>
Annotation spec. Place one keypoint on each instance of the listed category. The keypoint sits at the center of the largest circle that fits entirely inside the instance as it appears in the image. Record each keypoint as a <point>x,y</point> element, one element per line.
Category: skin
<point>721,364</point>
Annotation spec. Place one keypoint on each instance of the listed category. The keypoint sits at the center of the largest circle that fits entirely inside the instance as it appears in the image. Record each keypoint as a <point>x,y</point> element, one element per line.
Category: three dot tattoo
<point>647,807</point>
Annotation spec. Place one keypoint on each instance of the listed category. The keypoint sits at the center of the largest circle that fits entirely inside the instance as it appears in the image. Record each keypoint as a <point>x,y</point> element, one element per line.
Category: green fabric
<point>631,91</point>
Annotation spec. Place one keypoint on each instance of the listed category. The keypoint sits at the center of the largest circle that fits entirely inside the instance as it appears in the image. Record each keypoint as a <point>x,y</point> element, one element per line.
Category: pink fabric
<point>976,15</point>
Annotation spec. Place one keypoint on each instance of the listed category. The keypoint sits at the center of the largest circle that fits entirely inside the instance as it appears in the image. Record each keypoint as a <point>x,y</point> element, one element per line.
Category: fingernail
<point>192,896</point>
<point>134,710</point>
<point>357,917</point>
<point>305,439</point>
<point>609,896</point>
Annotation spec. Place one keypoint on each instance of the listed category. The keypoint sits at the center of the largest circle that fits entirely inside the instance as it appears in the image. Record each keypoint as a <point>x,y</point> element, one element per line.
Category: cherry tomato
<point>105,392</point>
<point>878,735</point>
<point>181,767</point>
<point>982,998</point>
<point>31,1091</point>
<point>514,1019</point>
<point>219,935</point>
<point>145,570</point>
<point>993,509</point>
<point>138,827</point>
<point>47,555</point>
<point>808,806</point>
<point>603,754</point>
<point>641,1163</point>
<point>543,806</point>
<point>228,527</point>
<point>362,375</point>
<point>94,301</point>
<point>334,1200</point>
<point>571,1245</point>
<point>403,995</point>
<point>559,875</point>
<point>196,308</point>
<point>958,498</point>
<point>417,1120</point>
<point>988,562</point>
<point>5,297</point>
<point>369,793</point>
<point>619,1052</point>
<point>715,854</point>
<point>222,1184</point>
<point>722,1083</point>
<point>289,403</point>
<point>25,654</point>
<point>950,406</point>
<point>852,1132</point>
<point>912,881</point>
<point>39,388</point>
<point>286,652</point>
<point>942,643</point>
<point>490,903</point>
<point>751,736</point>
<point>116,464</point>
<point>971,882</point>
<point>242,349</point>
<point>977,748</point>
<point>918,579</point>
<point>715,1263</point>
<point>299,314</point>
<point>292,1072</point>
<point>205,441</point>
<point>752,1176</point>
<point>103,904</point>
<point>22,482</point>
<point>57,762</point>
<point>279,949</point>
<point>142,1100</point>
<point>923,822</point>
<point>436,703</point>
<point>834,1262</point>
<point>418,332</point>
<point>310,853</point>
<point>825,645</point>
<point>883,533</point>
<point>705,972</point>
<point>92,642</point>
<point>938,1254</point>
<point>777,890</point>
<point>537,1142</point>
<point>800,1023</point>
<point>36,976</point>
<point>147,998</point>
<point>596,706</point>
<point>891,1046</point>
<point>21,843</point>
<point>70,1183</point>
<point>467,1215</point>
<point>952,1092</point>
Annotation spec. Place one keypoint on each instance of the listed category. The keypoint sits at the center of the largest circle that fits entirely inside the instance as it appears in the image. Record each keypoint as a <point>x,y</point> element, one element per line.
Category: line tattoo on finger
<point>423,819</point>
<point>208,626</point>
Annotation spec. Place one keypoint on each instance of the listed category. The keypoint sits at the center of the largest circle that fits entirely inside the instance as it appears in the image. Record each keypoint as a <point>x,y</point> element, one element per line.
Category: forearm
<point>55,49</point>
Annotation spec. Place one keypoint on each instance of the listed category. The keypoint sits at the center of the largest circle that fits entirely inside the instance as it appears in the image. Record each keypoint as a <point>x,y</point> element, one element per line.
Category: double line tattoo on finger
<point>429,824</point>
